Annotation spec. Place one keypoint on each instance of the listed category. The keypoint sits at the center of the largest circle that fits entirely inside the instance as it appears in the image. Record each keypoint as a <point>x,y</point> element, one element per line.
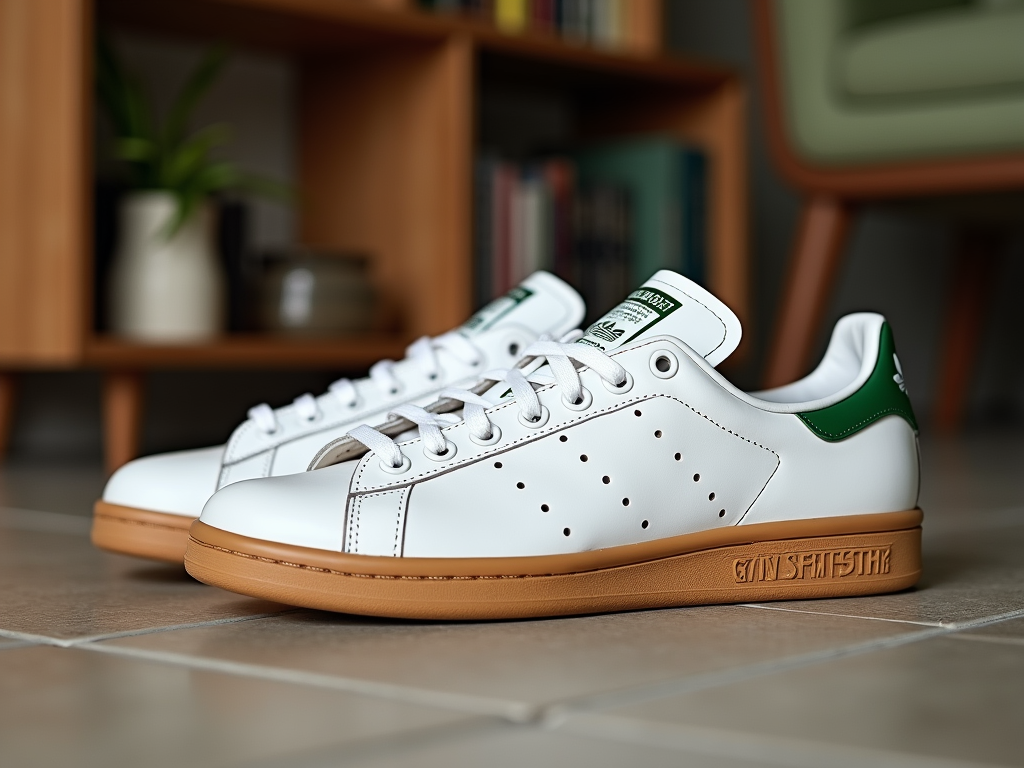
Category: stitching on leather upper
<point>398,524</point>
<point>892,409</point>
<point>353,524</point>
<point>356,516</point>
<point>725,327</point>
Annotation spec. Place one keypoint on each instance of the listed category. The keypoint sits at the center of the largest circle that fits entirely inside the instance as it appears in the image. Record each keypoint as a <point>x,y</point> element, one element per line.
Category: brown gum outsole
<point>784,568</point>
<point>140,532</point>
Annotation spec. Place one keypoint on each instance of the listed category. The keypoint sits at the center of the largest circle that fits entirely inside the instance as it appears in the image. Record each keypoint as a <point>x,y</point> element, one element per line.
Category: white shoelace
<point>422,352</point>
<point>560,357</point>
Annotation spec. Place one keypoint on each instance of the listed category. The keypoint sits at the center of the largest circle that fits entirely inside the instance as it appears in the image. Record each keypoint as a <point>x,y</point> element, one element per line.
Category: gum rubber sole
<point>140,532</point>
<point>782,568</point>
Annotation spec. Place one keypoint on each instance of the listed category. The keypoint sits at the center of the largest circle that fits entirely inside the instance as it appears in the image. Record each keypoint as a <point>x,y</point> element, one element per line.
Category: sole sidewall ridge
<point>808,567</point>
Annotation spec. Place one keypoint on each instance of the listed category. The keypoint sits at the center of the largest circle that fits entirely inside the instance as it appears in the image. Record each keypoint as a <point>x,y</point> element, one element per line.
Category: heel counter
<point>883,394</point>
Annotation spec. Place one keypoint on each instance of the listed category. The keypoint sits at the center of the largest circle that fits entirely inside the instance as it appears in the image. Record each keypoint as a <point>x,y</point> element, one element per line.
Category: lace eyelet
<point>664,364</point>
<point>402,468</point>
<point>448,455</point>
<point>545,414</point>
<point>432,376</point>
<point>492,440</point>
<point>586,400</point>
<point>623,388</point>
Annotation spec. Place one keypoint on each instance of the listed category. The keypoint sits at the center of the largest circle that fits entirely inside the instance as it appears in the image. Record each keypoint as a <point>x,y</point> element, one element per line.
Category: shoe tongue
<point>669,305</point>
<point>542,303</point>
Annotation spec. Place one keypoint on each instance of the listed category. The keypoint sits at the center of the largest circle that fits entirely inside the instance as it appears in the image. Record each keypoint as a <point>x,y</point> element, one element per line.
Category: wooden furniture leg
<point>8,383</point>
<point>122,417</point>
<point>823,229</point>
<point>970,291</point>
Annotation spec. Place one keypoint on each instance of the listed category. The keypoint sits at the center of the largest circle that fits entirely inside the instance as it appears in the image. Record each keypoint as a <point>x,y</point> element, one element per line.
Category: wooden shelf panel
<point>322,26</point>
<point>244,351</point>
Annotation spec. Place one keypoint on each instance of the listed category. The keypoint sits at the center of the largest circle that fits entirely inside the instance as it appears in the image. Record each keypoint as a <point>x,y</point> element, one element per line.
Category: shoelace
<point>561,358</point>
<point>422,352</point>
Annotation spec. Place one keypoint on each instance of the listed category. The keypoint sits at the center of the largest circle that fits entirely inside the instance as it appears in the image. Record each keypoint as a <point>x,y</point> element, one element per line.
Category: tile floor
<point>108,661</point>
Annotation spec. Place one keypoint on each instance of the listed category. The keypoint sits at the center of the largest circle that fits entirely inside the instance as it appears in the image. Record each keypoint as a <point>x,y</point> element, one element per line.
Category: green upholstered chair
<point>881,99</point>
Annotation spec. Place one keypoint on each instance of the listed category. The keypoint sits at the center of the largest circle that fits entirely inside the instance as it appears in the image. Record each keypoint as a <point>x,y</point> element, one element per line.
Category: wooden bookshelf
<point>387,125</point>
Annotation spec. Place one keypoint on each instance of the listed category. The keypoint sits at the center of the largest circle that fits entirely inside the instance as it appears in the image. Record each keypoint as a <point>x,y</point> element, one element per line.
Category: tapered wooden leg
<point>969,299</point>
<point>8,383</point>
<point>821,237</point>
<point>123,394</point>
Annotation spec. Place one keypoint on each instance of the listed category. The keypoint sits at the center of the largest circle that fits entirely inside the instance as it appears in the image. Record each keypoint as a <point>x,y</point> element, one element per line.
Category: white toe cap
<point>305,510</point>
<point>177,483</point>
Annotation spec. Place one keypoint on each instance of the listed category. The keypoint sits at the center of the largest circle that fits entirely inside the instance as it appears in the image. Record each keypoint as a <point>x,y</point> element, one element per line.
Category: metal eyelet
<point>492,440</point>
<point>586,400</point>
<point>664,364</point>
<point>545,414</point>
<point>449,452</point>
<point>621,389</point>
<point>402,468</point>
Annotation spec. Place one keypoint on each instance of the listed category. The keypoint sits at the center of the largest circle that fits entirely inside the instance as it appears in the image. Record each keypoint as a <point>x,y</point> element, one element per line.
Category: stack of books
<point>604,218</point>
<point>607,23</point>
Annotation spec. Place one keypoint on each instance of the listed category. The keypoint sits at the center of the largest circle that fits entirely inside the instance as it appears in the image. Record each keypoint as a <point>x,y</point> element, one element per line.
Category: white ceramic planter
<point>165,290</point>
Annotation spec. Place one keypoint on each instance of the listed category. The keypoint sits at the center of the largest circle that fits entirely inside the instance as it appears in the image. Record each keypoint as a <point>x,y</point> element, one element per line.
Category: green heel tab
<point>883,394</point>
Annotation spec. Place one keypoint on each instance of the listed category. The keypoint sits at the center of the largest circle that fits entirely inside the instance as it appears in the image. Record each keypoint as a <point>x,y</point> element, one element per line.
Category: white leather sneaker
<point>625,473</point>
<point>149,504</point>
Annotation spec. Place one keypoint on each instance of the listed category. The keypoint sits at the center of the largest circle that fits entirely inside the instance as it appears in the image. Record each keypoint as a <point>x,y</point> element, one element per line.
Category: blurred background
<point>408,161</point>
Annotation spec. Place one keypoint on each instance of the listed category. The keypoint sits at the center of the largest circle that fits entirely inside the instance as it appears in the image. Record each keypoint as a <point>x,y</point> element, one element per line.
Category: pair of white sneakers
<point>607,471</point>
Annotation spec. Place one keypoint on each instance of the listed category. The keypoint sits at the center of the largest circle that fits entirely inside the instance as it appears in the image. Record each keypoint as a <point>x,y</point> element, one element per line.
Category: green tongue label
<point>641,310</point>
<point>497,309</point>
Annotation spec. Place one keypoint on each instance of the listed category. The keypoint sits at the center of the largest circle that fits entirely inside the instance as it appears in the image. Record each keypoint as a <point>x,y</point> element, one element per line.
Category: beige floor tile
<point>70,488</point>
<point>940,697</point>
<point>527,662</point>
<point>969,574</point>
<point>82,708</point>
<point>513,747</point>
<point>968,473</point>
<point>1011,631</point>
<point>60,586</point>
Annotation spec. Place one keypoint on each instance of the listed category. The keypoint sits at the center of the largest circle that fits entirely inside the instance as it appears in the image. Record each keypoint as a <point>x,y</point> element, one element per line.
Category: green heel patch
<point>884,393</point>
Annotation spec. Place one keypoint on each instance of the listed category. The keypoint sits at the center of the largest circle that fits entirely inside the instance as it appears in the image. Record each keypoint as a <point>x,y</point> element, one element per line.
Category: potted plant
<point>166,282</point>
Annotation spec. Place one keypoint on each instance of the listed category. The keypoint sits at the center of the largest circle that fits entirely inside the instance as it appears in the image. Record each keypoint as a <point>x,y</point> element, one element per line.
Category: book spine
<point>511,15</point>
<point>502,222</point>
<point>694,214</point>
<point>483,233</point>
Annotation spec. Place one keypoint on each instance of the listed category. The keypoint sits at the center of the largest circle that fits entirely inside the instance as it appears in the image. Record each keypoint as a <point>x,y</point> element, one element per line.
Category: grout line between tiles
<point>762,607</point>
<point>555,713</point>
<point>17,644</point>
<point>516,712</point>
<point>73,642</point>
<point>743,745</point>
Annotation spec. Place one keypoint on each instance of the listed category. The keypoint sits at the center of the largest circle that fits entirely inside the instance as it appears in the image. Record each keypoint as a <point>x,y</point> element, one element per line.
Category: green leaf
<point>194,89</point>
<point>134,149</point>
<point>190,158</point>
